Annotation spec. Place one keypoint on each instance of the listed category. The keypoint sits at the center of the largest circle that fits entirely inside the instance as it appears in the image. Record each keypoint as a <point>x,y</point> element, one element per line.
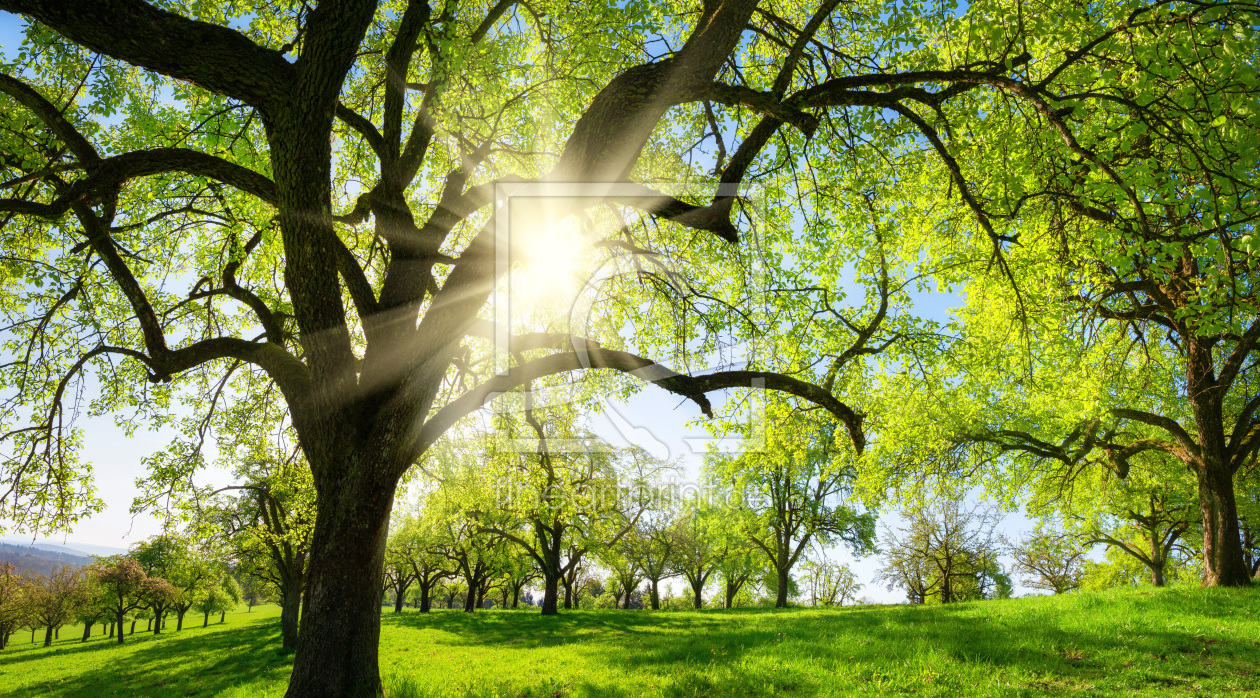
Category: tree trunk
<point>399,597</point>
<point>1223,564</point>
<point>48,636</point>
<point>205,622</point>
<point>157,622</point>
<point>87,631</point>
<point>118,625</point>
<point>222,616</point>
<point>341,626</point>
<point>516,596</point>
<point>551,593</point>
<point>568,596</point>
<point>133,627</point>
<point>179,619</point>
<point>698,599</point>
<point>290,606</point>
<point>656,596</point>
<point>481,596</point>
<point>57,633</point>
<point>780,599</point>
<point>731,590</point>
<point>424,598</point>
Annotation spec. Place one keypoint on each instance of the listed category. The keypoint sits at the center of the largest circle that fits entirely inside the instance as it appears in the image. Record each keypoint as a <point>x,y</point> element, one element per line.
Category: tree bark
<point>118,625</point>
<point>179,619</point>
<point>290,606</point>
<point>48,636</point>
<point>1223,563</point>
<point>656,596</point>
<point>698,599</point>
<point>87,631</point>
<point>551,593</point>
<point>337,646</point>
<point>1222,547</point>
<point>780,599</point>
<point>205,622</point>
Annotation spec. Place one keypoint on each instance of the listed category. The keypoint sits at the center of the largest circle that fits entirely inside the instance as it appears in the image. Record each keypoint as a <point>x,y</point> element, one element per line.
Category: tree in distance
<point>1051,560</point>
<point>797,492</point>
<point>946,552</point>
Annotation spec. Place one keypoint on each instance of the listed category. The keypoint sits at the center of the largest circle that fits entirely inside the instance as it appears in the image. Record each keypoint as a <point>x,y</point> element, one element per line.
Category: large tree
<point>1130,183</point>
<point>321,181</point>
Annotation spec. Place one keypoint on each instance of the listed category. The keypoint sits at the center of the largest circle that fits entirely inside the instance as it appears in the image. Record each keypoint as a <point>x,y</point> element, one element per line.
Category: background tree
<point>14,602</point>
<point>54,599</point>
<point>1150,531</point>
<point>558,505</point>
<point>797,492</point>
<point>655,548</point>
<point>946,551</point>
<point>830,583</point>
<point>88,609</point>
<point>1051,560</point>
<point>399,573</point>
<point>698,551</point>
<point>220,596</point>
<point>269,530</point>
<point>159,556</point>
<point>124,587</point>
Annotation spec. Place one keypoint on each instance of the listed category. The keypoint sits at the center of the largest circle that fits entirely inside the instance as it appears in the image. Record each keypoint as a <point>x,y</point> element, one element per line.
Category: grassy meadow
<point>1131,642</point>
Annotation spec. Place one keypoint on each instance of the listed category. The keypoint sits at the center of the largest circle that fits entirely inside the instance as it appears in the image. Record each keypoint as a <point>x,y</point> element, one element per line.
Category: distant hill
<point>73,548</point>
<point>38,560</point>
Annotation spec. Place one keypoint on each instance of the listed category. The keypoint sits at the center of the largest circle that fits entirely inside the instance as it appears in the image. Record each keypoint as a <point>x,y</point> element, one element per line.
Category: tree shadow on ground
<point>1082,640</point>
<point>172,664</point>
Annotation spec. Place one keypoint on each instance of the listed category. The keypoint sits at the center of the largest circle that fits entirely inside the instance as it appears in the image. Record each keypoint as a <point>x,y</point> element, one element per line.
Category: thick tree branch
<point>220,59</point>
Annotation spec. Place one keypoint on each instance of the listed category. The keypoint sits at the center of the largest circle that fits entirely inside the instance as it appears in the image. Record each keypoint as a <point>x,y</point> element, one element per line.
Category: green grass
<point>1144,642</point>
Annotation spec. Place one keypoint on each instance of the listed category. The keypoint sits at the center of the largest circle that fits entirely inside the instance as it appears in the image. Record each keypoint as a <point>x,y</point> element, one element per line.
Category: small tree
<point>220,597</point>
<point>830,583</point>
<point>1050,560</point>
<point>15,592</point>
<point>796,491</point>
<point>123,586</point>
<point>55,599</point>
<point>697,550</point>
<point>946,550</point>
<point>1152,532</point>
<point>656,550</point>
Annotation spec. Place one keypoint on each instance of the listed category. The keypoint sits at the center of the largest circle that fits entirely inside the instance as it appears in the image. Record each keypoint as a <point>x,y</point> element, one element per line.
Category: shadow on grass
<point>1081,638</point>
<point>170,664</point>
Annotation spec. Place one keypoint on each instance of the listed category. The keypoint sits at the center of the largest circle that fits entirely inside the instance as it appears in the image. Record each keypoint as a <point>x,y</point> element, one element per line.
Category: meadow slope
<point>1132,642</point>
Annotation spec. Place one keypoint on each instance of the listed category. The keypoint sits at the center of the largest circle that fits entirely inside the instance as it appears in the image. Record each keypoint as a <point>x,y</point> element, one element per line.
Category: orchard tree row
<point>162,578</point>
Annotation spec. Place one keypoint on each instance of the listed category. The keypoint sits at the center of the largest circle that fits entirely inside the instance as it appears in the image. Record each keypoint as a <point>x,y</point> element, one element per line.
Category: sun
<point>549,264</point>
